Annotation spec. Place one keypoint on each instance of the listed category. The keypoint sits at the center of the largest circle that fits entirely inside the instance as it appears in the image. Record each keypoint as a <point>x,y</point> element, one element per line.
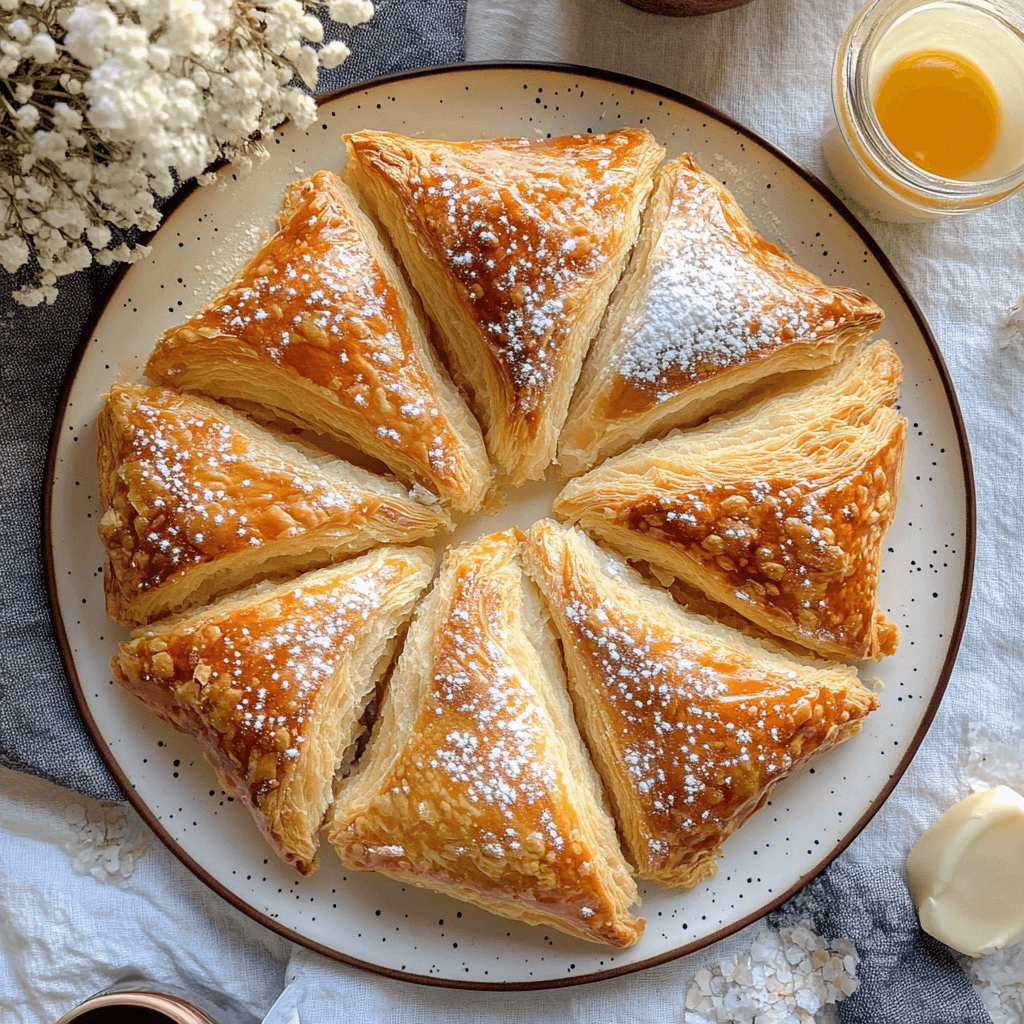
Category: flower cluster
<point>105,103</point>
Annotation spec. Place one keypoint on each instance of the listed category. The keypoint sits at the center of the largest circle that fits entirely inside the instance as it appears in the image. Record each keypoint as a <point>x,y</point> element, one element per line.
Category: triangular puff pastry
<point>514,246</point>
<point>705,312</point>
<point>690,723</point>
<point>272,683</point>
<point>778,512</point>
<point>320,329</point>
<point>198,501</point>
<point>475,782</point>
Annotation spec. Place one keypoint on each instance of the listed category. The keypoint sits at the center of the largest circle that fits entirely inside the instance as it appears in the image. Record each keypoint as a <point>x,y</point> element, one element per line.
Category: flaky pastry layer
<point>706,312</point>
<point>198,501</point>
<point>475,782</point>
<point>320,330</point>
<point>271,683</point>
<point>690,723</point>
<point>514,246</point>
<point>778,512</point>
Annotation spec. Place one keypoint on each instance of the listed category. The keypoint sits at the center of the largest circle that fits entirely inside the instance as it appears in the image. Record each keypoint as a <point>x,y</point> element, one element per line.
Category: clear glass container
<point>867,166</point>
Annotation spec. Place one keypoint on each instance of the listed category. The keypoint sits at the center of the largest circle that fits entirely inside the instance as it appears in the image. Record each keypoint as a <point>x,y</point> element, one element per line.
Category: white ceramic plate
<point>372,921</point>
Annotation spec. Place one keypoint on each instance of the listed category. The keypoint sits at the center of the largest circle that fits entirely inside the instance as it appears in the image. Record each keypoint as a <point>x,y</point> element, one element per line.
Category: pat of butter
<point>966,873</point>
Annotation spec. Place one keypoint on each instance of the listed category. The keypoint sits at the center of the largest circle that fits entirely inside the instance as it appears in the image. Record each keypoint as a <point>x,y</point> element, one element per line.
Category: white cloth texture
<point>64,935</point>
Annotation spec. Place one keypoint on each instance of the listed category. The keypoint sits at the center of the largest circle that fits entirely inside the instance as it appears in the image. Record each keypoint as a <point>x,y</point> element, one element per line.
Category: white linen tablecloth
<point>64,934</point>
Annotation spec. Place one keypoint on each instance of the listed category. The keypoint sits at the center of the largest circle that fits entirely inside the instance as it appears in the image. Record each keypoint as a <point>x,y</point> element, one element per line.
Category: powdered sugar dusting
<point>695,728</point>
<point>497,754</point>
<point>238,244</point>
<point>198,489</point>
<point>317,300</point>
<point>711,304</point>
<point>523,247</point>
<point>674,702</point>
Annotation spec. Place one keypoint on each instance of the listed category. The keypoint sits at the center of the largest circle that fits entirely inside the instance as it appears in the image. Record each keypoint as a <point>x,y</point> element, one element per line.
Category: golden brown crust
<point>271,683</point>
<point>475,782</point>
<point>691,723</point>
<point>707,310</point>
<point>514,246</point>
<point>778,512</point>
<point>320,328</point>
<point>198,502</point>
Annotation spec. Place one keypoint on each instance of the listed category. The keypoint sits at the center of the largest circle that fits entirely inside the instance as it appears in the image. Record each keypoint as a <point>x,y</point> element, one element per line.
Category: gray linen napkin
<point>905,974</point>
<point>40,729</point>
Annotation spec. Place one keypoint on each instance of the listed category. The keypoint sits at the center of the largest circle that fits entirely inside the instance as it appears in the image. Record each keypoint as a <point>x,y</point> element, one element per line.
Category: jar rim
<point>858,122</point>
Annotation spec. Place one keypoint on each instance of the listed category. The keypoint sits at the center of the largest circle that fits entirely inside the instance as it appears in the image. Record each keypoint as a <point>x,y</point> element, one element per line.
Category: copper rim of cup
<point>175,1009</point>
<point>855,112</point>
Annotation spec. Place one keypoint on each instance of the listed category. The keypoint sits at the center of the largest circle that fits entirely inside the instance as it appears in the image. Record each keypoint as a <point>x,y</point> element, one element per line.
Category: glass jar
<point>867,166</point>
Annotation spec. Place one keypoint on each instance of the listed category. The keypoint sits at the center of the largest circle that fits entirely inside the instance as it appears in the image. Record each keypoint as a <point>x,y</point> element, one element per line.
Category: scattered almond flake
<point>99,841</point>
<point>1013,333</point>
<point>775,538</point>
<point>999,979</point>
<point>789,976</point>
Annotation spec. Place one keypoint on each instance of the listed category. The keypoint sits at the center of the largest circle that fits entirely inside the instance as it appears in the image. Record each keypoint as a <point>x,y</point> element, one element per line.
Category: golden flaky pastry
<point>271,683</point>
<point>198,501</point>
<point>514,246</point>
<point>707,310</point>
<point>475,782</point>
<point>320,329</point>
<point>690,723</point>
<point>778,511</point>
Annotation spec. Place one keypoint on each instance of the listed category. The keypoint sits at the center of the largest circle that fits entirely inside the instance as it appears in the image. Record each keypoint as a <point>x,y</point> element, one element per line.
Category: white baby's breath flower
<point>88,30</point>
<point>65,118</point>
<point>334,53</point>
<point>26,116</point>
<point>13,253</point>
<point>306,64</point>
<point>312,29</point>
<point>51,146</point>
<point>42,48</point>
<point>350,12</point>
<point>19,30</point>
<point>116,101</point>
<point>98,235</point>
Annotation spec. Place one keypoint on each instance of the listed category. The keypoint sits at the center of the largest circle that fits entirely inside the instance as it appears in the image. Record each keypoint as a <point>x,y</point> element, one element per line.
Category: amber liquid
<point>940,110</point>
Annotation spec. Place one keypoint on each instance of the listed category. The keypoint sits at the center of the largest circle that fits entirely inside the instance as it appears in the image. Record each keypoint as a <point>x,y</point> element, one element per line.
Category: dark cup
<point>684,8</point>
<point>139,1002</point>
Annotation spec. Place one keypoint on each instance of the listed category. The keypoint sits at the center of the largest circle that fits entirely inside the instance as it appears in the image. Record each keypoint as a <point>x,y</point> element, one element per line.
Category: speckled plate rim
<point>955,636</point>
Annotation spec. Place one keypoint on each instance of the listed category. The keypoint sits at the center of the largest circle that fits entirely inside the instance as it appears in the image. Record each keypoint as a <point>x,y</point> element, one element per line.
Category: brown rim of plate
<point>955,637</point>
